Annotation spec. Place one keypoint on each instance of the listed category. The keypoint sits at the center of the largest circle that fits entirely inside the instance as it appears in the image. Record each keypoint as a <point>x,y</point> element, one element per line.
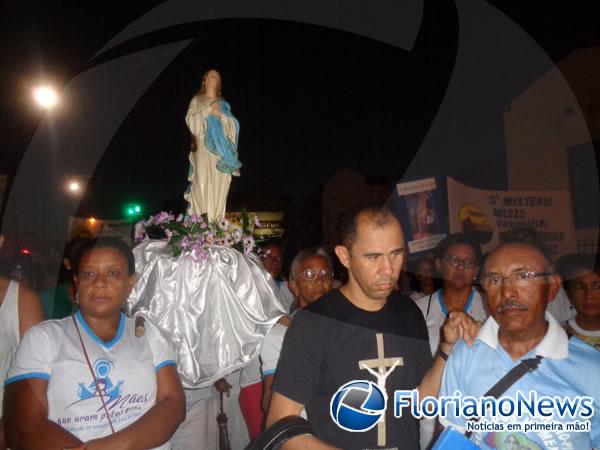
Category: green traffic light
<point>132,209</point>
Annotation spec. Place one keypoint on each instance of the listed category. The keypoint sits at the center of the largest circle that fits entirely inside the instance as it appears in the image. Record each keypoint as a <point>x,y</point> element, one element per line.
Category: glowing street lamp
<point>74,187</point>
<point>45,96</point>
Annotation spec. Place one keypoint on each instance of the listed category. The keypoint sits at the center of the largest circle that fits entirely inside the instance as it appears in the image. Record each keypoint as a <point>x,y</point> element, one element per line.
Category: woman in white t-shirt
<point>457,261</point>
<point>87,381</point>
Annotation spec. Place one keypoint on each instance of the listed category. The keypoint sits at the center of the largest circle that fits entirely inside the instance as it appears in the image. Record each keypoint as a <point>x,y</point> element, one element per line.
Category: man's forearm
<point>430,385</point>
<point>282,406</point>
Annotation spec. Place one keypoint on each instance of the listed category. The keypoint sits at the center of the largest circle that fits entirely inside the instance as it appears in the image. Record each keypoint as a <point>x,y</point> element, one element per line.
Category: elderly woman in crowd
<point>457,260</point>
<point>86,381</point>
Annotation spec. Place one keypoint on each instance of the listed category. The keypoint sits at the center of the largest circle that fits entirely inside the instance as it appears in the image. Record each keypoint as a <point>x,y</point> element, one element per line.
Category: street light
<point>45,96</point>
<point>74,187</point>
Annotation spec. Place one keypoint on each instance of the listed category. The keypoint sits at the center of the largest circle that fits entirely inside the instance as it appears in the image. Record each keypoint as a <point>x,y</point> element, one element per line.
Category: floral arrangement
<point>196,234</point>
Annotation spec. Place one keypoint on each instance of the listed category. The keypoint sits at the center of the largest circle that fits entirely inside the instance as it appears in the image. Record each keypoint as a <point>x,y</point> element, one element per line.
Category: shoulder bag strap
<point>513,375</point>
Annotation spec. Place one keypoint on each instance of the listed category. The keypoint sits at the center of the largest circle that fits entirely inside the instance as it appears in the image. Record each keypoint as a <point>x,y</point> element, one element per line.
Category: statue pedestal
<point>216,312</point>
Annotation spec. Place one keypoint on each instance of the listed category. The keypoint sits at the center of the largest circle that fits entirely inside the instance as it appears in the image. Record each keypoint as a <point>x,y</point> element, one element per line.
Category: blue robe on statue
<point>217,142</point>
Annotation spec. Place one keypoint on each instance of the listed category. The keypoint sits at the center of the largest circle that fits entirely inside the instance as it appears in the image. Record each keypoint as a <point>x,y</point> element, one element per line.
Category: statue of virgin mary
<point>214,157</point>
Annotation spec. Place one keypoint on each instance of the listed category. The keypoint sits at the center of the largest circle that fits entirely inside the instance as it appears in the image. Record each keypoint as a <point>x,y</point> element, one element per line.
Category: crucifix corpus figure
<point>381,363</point>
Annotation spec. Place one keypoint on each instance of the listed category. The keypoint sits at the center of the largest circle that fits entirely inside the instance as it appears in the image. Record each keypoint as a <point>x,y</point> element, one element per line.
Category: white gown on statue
<point>209,186</point>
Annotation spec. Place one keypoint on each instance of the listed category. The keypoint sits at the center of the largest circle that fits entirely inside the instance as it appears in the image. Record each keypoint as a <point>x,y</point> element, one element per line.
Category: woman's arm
<point>196,118</point>
<point>26,421</point>
<point>158,424</point>
<point>267,392</point>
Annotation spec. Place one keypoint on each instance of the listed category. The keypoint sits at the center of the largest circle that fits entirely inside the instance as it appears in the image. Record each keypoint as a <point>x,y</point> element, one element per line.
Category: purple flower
<point>257,222</point>
<point>179,218</point>
<point>198,251</point>
<point>223,224</point>
<point>209,238</point>
<point>185,243</point>
<point>162,217</point>
<point>139,231</point>
<point>196,219</point>
<point>199,254</point>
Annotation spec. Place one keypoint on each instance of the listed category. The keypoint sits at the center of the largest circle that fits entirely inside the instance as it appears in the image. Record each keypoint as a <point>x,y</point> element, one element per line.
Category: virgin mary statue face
<point>212,82</point>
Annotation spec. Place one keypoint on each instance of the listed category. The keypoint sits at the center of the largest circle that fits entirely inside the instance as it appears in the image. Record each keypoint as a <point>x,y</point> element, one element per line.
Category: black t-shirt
<point>321,353</point>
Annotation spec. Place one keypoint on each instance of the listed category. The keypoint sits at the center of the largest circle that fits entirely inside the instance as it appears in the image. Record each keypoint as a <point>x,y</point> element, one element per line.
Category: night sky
<point>309,99</point>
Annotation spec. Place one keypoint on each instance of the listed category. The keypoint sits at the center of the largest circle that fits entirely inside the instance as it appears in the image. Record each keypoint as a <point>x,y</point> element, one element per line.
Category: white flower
<point>237,235</point>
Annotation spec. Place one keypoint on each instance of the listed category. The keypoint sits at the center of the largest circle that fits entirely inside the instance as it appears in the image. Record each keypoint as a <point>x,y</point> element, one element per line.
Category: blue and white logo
<point>101,385</point>
<point>357,405</point>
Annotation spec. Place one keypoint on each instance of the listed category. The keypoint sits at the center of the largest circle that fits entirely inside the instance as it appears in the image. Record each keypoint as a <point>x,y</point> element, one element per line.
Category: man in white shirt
<point>311,277</point>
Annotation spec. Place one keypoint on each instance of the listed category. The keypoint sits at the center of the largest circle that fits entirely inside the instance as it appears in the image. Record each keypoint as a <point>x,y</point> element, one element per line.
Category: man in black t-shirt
<point>361,332</point>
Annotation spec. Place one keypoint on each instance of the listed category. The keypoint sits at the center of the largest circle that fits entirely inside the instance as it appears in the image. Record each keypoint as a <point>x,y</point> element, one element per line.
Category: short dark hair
<point>566,265</point>
<point>70,252</point>
<point>442,248</point>
<point>526,236</point>
<point>105,242</point>
<point>381,216</point>
<point>308,253</point>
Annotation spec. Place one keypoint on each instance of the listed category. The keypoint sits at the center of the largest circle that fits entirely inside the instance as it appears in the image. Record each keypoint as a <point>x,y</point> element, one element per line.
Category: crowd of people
<point>84,380</point>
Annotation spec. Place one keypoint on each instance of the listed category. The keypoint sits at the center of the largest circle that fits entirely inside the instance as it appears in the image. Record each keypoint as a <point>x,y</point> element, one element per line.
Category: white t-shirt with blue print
<point>569,368</point>
<point>125,372</point>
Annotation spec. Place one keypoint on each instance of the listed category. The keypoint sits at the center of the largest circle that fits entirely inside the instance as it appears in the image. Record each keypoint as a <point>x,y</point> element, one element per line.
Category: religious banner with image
<point>263,224</point>
<point>487,214</point>
<point>420,215</point>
